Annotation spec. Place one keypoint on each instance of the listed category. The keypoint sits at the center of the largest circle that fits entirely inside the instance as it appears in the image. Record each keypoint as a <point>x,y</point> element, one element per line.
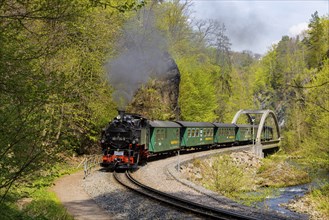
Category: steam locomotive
<point>130,139</point>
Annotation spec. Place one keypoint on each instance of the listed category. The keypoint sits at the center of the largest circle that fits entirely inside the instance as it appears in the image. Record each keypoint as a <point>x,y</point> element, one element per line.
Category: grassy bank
<point>320,199</point>
<point>245,178</point>
<point>35,200</point>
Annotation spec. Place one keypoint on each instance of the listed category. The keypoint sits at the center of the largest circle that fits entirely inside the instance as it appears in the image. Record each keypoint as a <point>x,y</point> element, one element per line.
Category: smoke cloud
<point>143,56</point>
<point>245,27</point>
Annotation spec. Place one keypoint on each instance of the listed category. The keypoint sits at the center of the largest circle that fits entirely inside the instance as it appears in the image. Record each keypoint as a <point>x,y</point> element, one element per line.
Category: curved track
<point>211,213</point>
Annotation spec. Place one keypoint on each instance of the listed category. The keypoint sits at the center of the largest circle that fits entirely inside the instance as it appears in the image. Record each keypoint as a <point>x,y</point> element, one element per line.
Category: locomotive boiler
<point>120,141</point>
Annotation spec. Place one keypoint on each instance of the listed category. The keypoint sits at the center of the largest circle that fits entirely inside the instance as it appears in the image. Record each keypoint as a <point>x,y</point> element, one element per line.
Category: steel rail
<point>206,211</point>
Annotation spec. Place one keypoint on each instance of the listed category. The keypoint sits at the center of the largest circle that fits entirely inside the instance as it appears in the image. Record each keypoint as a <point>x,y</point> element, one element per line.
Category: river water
<point>284,195</point>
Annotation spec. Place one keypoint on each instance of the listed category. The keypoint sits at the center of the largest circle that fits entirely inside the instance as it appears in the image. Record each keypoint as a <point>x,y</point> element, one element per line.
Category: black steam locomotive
<point>120,141</point>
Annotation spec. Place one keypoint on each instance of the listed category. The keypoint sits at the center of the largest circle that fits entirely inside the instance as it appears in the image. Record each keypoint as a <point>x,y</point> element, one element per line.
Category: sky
<point>255,25</point>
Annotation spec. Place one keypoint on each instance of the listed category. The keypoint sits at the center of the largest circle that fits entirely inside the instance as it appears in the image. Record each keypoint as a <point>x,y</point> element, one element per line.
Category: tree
<point>317,116</point>
<point>52,92</point>
<point>317,41</point>
<point>197,97</point>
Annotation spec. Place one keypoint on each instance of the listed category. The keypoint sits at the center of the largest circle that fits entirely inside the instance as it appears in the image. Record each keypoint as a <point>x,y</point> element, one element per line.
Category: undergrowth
<point>320,199</point>
<point>279,171</point>
<point>248,183</point>
<point>34,200</point>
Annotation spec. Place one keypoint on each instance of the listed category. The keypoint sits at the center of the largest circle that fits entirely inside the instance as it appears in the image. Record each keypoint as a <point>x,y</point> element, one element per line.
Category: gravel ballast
<point>122,203</point>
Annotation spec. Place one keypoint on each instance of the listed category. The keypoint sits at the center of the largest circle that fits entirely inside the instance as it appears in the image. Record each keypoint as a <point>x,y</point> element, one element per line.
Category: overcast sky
<point>256,24</point>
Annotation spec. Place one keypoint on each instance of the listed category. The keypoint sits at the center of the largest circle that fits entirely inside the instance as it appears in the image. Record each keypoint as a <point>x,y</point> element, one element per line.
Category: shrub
<point>224,176</point>
<point>321,199</point>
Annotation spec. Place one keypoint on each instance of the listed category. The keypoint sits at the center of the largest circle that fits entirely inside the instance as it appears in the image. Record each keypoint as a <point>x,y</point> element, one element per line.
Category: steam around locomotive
<point>130,139</point>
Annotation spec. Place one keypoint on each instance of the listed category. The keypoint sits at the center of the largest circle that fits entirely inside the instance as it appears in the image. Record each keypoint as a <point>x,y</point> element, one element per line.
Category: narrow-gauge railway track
<point>209,212</point>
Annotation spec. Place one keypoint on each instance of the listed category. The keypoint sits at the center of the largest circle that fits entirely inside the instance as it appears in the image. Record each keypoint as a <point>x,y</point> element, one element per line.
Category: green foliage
<point>172,20</point>
<point>316,114</point>
<point>308,115</point>
<point>245,182</point>
<point>241,96</point>
<point>276,172</point>
<point>121,6</point>
<point>197,92</point>
<point>33,200</point>
<point>45,205</point>
<point>9,211</point>
<point>144,102</point>
<point>317,41</point>
<point>320,198</point>
<point>222,175</point>
<point>229,178</point>
<point>53,98</point>
<point>292,78</point>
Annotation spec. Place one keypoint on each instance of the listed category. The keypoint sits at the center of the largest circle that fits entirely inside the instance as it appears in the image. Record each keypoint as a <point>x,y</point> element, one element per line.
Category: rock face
<point>158,99</point>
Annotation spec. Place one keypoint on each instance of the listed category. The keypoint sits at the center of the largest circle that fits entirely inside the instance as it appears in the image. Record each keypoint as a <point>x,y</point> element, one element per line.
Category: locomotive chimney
<point>121,112</point>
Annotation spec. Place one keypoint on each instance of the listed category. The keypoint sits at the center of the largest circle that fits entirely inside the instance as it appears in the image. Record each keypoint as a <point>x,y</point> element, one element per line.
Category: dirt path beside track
<point>77,202</point>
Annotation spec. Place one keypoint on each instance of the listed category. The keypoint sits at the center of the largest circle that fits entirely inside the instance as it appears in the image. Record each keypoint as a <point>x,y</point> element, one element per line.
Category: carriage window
<point>157,136</point>
<point>197,132</point>
<point>193,133</point>
<point>188,132</point>
<point>161,134</point>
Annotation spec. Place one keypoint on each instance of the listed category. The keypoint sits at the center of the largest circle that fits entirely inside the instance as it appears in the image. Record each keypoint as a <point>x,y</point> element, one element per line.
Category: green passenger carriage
<point>267,133</point>
<point>225,133</point>
<point>196,134</point>
<point>244,133</point>
<point>162,135</point>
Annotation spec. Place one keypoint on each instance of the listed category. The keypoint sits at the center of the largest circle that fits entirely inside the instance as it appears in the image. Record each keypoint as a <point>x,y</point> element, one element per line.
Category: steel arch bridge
<point>259,145</point>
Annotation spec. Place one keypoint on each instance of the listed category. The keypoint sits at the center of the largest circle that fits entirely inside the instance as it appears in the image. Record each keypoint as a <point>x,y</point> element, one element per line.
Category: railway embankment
<point>161,175</point>
<point>117,202</point>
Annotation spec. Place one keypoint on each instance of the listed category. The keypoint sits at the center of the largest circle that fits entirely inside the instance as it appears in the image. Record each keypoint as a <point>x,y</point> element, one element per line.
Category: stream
<point>284,195</point>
